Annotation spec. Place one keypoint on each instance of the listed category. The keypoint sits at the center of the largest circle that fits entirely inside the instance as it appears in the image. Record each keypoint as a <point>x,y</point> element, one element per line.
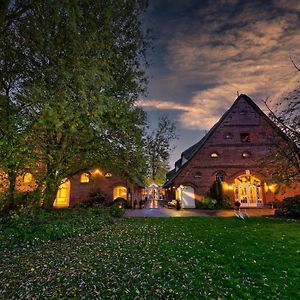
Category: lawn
<point>160,258</point>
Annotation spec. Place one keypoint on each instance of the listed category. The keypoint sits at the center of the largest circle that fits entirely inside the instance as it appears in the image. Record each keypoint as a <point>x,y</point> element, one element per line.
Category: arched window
<point>85,178</point>
<point>214,155</point>
<point>27,178</point>
<point>198,174</point>
<point>120,191</point>
<point>220,176</point>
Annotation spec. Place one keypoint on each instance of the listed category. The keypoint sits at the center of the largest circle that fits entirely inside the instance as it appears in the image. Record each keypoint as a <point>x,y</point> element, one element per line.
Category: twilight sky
<point>206,51</point>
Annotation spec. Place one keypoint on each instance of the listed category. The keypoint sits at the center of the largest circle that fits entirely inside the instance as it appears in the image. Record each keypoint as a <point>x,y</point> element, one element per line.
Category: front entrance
<point>248,191</point>
<point>63,194</point>
<point>186,195</point>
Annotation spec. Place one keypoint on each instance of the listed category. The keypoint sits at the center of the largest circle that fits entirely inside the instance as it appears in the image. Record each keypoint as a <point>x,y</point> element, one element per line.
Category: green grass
<point>161,258</point>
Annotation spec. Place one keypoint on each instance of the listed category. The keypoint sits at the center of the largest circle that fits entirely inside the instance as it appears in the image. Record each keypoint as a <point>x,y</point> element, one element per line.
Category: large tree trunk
<point>50,192</point>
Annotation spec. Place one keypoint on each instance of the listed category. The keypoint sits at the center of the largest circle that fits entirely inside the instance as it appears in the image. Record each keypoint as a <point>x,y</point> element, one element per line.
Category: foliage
<point>120,201</point>
<point>29,226</point>
<point>207,203</point>
<point>217,192</point>
<point>285,158</point>
<point>95,198</point>
<point>77,86</point>
<point>116,212</point>
<point>157,148</point>
<point>290,207</point>
<point>195,258</point>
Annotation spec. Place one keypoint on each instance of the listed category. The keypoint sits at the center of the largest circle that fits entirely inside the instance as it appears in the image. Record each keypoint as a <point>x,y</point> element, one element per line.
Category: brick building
<point>233,151</point>
<point>79,187</point>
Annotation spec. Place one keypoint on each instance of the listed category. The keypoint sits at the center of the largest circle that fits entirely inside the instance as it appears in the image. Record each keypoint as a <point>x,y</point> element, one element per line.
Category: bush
<point>95,199</point>
<point>120,202</point>
<point>290,207</point>
<point>207,203</point>
<point>116,212</point>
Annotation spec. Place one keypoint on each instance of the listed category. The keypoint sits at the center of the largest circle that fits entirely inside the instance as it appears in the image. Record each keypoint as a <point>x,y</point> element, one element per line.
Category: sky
<point>205,52</point>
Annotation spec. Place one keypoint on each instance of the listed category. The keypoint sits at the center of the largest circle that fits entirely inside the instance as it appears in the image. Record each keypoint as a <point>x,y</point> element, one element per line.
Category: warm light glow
<point>63,194</point>
<point>108,175</point>
<point>120,191</point>
<point>230,187</point>
<point>97,171</point>
<point>214,155</point>
<point>85,178</point>
<point>270,187</point>
<point>27,178</point>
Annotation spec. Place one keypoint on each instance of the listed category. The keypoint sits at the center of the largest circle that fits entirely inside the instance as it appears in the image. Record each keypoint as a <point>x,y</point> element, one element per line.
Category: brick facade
<point>235,146</point>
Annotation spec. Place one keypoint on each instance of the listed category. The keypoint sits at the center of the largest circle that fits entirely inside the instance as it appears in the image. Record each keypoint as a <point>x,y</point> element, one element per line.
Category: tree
<point>85,60</point>
<point>285,158</point>
<point>158,146</point>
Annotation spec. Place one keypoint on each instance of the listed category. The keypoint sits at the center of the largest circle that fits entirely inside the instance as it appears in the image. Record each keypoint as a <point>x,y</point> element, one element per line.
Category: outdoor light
<point>230,187</point>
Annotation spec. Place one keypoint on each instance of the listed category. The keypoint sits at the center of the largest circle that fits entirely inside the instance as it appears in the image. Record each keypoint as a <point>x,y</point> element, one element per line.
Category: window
<point>246,154</point>
<point>220,176</point>
<point>243,113</point>
<point>108,175</point>
<point>245,137</point>
<point>85,178</point>
<point>120,191</point>
<point>27,178</point>
<point>228,136</point>
<point>198,175</point>
<point>214,155</point>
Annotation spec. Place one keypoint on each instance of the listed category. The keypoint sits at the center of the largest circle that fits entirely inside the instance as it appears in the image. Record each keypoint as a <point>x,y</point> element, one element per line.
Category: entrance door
<point>247,195</point>
<point>187,197</point>
<point>63,195</point>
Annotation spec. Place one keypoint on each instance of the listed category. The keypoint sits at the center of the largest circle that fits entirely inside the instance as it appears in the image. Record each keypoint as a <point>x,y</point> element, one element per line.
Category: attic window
<point>85,178</point>
<point>246,154</point>
<point>243,113</point>
<point>228,136</point>
<point>198,175</point>
<point>245,137</point>
<point>214,155</point>
<point>108,175</point>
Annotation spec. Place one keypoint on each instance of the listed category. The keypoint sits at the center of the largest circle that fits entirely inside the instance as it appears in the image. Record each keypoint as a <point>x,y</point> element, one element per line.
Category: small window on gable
<point>198,175</point>
<point>220,176</point>
<point>246,154</point>
<point>85,178</point>
<point>108,175</point>
<point>228,136</point>
<point>245,137</point>
<point>214,155</point>
<point>243,113</point>
<point>27,178</point>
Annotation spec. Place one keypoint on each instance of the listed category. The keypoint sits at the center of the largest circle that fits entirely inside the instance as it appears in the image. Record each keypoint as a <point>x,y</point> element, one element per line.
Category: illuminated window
<point>245,137</point>
<point>85,178</point>
<point>27,178</point>
<point>214,155</point>
<point>246,154</point>
<point>228,136</point>
<point>120,191</point>
<point>108,175</point>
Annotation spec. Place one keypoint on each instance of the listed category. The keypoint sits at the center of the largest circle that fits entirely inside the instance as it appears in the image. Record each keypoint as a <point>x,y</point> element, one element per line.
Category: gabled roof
<point>190,152</point>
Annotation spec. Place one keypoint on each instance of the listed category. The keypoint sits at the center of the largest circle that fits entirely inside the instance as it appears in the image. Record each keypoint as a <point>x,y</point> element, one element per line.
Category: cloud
<point>232,46</point>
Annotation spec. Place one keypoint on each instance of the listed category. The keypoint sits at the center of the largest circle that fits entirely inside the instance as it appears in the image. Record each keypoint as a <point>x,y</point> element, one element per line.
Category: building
<point>81,186</point>
<point>232,151</point>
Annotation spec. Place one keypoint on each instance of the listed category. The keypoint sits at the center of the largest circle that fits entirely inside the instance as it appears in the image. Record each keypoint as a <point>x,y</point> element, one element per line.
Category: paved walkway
<point>166,212</point>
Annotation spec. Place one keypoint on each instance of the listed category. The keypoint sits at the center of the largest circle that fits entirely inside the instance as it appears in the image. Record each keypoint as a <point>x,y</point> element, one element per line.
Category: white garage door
<point>188,197</point>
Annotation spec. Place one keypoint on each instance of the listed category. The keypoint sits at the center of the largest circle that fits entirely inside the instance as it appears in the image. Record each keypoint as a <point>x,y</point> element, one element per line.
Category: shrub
<point>207,203</point>
<point>95,198</point>
<point>290,207</point>
<point>120,202</point>
<point>116,212</point>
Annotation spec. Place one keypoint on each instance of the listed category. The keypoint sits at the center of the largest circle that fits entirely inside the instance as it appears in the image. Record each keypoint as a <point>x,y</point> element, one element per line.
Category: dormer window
<point>245,137</point>
<point>228,136</point>
<point>85,178</point>
<point>214,155</point>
